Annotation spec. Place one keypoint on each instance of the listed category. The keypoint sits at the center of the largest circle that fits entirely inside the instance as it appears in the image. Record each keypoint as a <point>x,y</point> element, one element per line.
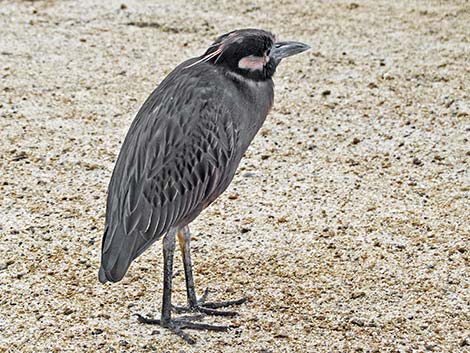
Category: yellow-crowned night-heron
<point>181,153</point>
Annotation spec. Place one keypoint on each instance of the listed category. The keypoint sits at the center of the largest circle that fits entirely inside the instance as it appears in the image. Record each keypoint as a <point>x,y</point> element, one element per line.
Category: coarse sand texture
<point>347,224</point>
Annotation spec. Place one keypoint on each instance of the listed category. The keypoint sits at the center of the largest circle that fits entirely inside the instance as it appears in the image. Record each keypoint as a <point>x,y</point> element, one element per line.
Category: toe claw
<point>210,308</point>
<point>145,320</point>
<point>199,326</point>
<point>214,305</point>
<point>196,317</point>
<point>204,296</point>
<point>210,311</point>
<point>177,325</point>
<point>178,331</point>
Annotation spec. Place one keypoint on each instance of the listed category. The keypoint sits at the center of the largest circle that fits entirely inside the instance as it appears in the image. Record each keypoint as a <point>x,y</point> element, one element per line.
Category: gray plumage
<point>180,154</point>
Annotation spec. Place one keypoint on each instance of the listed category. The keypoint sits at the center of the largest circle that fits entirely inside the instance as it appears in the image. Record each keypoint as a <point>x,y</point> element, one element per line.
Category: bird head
<point>251,53</point>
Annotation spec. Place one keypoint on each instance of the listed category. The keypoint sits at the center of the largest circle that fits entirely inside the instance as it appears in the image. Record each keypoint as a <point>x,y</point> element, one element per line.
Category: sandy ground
<point>347,226</point>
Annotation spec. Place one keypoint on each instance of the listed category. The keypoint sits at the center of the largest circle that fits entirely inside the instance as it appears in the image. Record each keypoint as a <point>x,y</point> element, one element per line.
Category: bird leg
<point>176,325</point>
<point>209,308</point>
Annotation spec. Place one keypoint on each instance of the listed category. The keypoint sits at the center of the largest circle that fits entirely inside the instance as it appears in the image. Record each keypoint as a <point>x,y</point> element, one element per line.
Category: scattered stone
<point>326,92</point>
<point>281,335</point>
<point>104,316</point>
<point>417,161</point>
<point>249,174</point>
<point>358,294</point>
<point>351,162</point>
<point>430,346</point>
<point>355,141</point>
<point>97,331</point>
<point>20,156</point>
<point>282,219</point>
<point>4,264</point>
<point>358,322</point>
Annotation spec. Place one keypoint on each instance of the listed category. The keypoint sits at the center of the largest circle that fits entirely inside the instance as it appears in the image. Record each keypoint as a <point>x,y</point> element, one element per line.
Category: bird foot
<point>177,325</point>
<point>210,308</point>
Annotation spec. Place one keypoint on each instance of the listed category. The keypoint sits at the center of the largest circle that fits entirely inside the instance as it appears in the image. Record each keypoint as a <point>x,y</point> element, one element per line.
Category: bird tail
<point>116,254</point>
<point>102,275</point>
<point>118,250</point>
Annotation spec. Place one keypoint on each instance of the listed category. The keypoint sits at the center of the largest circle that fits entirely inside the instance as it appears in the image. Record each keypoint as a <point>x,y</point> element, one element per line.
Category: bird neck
<point>244,80</point>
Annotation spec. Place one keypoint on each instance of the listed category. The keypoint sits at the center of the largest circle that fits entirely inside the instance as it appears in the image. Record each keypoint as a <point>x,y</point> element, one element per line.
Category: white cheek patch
<point>253,62</point>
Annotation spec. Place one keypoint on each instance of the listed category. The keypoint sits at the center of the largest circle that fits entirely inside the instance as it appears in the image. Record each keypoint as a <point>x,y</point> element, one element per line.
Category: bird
<point>180,154</point>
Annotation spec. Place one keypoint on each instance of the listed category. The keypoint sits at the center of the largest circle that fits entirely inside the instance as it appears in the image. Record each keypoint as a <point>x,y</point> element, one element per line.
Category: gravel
<point>349,230</point>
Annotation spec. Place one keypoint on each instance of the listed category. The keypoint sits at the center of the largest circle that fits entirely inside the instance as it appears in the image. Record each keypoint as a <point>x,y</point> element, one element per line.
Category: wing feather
<point>175,160</point>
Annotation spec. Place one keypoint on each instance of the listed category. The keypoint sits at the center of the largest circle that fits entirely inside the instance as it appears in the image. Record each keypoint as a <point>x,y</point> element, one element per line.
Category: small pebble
<point>356,295</point>
<point>417,161</point>
<point>358,322</point>
<point>355,141</point>
<point>249,175</point>
<point>282,219</point>
<point>97,331</point>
